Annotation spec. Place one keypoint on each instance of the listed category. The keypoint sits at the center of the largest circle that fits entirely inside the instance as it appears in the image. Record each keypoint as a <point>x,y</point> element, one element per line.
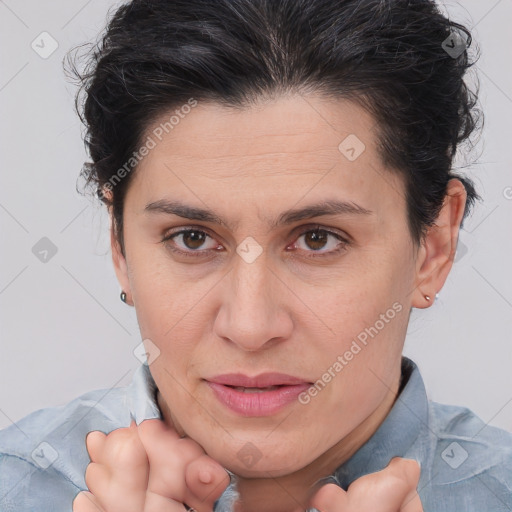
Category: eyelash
<point>194,254</point>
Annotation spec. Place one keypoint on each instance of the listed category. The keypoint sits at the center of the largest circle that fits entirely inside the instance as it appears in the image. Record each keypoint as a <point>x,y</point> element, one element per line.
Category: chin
<point>249,462</point>
<point>268,470</point>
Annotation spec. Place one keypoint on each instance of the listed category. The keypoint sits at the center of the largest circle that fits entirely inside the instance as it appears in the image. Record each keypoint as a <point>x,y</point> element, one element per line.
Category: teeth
<point>255,390</point>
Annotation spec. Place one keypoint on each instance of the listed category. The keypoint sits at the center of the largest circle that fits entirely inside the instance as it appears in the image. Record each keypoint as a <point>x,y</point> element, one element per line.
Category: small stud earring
<point>123,296</point>
<point>427,298</point>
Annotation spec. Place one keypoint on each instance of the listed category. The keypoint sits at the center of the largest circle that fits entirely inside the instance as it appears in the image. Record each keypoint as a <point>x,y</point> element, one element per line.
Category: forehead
<point>281,150</point>
<point>278,125</point>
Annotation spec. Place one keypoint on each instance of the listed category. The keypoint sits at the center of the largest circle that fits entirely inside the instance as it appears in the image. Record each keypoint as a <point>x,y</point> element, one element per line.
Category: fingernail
<point>232,476</point>
<point>331,479</point>
<point>205,476</point>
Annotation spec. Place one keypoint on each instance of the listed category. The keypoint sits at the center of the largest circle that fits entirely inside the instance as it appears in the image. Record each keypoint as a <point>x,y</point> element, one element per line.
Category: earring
<point>427,298</point>
<point>123,296</point>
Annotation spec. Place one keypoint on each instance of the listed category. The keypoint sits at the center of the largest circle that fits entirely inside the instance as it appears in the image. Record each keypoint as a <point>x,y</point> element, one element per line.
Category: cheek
<point>160,295</point>
<point>367,325</point>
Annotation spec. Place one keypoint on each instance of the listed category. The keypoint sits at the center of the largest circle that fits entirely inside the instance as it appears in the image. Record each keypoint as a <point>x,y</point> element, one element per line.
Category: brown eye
<point>193,242</point>
<point>193,239</point>
<point>189,242</point>
<point>317,239</point>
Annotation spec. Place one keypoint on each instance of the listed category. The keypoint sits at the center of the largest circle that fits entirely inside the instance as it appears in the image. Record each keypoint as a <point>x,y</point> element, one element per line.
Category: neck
<point>292,492</point>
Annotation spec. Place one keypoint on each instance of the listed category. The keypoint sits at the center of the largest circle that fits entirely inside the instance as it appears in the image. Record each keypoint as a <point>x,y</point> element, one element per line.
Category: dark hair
<point>391,56</point>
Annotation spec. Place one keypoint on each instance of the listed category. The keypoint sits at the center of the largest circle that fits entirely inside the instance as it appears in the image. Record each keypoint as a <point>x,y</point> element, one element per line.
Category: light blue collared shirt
<point>466,465</point>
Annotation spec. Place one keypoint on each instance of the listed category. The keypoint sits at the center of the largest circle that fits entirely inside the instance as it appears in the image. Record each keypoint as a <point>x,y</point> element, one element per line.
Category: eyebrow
<point>329,207</point>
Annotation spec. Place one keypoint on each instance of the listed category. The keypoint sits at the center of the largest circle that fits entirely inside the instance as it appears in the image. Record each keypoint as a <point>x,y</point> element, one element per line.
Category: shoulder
<point>27,486</point>
<point>455,424</point>
<point>43,456</point>
<point>470,456</point>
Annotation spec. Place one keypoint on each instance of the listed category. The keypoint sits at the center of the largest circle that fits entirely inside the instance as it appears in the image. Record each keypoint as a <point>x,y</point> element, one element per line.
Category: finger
<point>206,480</point>
<point>161,445</point>
<point>412,503</point>
<point>97,479</point>
<point>410,471</point>
<point>86,502</point>
<point>115,492</point>
<point>168,456</point>
<point>155,428</point>
<point>388,490</point>
<point>329,498</point>
<point>158,503</point>
<point>130,461</point>
<point>123,449</point>
<point>95,443</point>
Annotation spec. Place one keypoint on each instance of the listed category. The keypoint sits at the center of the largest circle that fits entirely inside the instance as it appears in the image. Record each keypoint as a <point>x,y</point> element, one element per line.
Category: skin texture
<point>149,468</point>
<point>392,489</point>
<point>283,312</point>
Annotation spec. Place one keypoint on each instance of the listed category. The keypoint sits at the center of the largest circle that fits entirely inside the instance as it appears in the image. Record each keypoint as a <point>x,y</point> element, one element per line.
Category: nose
<point>254,313</point>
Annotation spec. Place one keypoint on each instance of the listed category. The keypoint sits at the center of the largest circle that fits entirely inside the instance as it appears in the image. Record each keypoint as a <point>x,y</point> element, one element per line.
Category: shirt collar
<point>142,396</point>
<point>396,434</point>
<point>393,438</point>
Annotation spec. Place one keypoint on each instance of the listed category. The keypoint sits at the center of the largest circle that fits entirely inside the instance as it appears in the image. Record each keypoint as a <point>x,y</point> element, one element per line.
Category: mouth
<point>261,381</point>
<point>253,401</point>
<point>255,389</point>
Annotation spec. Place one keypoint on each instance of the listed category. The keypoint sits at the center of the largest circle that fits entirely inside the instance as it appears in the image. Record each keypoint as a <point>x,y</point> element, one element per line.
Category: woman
<point>278,176</point>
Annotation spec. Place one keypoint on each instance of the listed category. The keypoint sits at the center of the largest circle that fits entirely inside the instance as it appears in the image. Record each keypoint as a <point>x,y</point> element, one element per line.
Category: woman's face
<point>259,293</point>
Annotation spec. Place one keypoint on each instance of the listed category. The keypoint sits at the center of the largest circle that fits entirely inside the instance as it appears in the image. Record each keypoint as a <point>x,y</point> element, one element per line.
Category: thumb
<point>158,439</point>
<point>330,498</point>
<point>154,429</point>
<point>389,490</point>
<point>206,480</point>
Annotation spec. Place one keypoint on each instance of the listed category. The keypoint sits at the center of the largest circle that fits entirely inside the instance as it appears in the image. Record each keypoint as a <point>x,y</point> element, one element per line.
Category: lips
<point>253,402</point>
<point>264,380</point>
<point>263,395</point>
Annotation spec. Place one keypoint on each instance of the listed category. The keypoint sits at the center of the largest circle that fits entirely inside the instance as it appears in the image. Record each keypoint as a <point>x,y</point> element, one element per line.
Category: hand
<point>149,468</point>
<point>391,490</point>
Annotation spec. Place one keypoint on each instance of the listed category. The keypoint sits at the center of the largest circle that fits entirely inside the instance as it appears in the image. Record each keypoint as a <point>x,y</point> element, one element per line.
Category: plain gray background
<point>64,330</point>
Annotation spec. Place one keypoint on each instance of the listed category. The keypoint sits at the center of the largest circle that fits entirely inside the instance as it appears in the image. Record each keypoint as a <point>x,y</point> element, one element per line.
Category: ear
<point>437,251</point>
<point>120,266</point>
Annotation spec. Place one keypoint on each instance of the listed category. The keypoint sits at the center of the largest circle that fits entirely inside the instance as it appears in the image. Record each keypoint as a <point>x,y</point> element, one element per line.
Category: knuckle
<point>121,454</point>
<point>93,440</point>
<point>407,470</point>
<point>82,501</point>
<point>123,448</point>
<point>89,476</point>
<point>77,502</point>
<point>119,434</point>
